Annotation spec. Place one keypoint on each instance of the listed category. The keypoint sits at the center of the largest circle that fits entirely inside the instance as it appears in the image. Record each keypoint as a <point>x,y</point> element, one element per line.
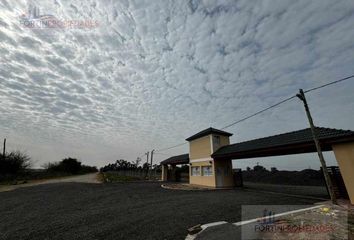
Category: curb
<point>181,189</point>
<point>205,226</point>
<point>277,215</point>
<point>165,186</point>
<point>240,223</point>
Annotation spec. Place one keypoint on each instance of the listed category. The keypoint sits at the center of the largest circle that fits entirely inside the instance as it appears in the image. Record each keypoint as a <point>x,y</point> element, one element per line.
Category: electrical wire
<point>270,107</point>
<point>165,154</point>
<point>259,112</point>
<point>328,84</point>
<point>164,149</point>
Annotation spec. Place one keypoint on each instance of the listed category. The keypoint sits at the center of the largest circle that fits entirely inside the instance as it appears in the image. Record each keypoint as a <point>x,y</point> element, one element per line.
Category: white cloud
<point>155,72</point>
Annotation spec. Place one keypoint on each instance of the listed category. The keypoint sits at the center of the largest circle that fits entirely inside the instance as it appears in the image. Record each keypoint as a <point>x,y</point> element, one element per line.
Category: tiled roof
<point>180,159</point>
<point>207,132</point>
<point>297,137</point>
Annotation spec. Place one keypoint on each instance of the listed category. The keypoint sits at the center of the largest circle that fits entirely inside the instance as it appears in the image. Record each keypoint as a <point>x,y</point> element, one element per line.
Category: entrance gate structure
<point>341,142</point>
<point>169,166</point>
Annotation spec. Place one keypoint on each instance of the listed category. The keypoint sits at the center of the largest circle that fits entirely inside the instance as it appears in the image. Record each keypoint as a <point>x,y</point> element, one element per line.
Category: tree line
<point>70,165</point>
<point>17,165</point>
<point>122,164</point>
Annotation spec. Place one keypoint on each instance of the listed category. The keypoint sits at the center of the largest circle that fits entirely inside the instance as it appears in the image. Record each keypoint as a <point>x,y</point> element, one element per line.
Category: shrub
<point>71,165</point>
<point>14,163</point>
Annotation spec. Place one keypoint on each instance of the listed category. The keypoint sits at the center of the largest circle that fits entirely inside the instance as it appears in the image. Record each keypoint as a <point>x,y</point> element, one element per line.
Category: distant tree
<point>156,167</point>
<point>273,169</point>
<point>259,168</point>
<point>70,165</point>
<point>248,169</point>
<point>146,166</point>
<point>120,164</point>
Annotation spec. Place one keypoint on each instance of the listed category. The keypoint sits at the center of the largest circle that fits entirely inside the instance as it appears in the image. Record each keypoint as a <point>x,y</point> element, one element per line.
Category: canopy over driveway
<point>180,159</point>
<point>171,174</point>
<point>340,141</point>
<point>285,144</point>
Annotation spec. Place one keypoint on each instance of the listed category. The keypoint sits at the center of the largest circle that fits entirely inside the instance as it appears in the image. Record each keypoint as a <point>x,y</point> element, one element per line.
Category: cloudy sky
<point>152,73</point>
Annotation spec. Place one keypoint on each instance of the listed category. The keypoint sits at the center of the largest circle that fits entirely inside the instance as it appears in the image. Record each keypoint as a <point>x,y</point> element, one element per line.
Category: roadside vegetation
<point>15,168</point>
<point>124,171</point>
<point>14,164</point>
<point>116,177</point>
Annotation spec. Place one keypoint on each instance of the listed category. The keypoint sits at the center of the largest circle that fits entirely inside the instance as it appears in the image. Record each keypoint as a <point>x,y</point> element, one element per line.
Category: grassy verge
<point>100,177</point>
<point>115,177</point>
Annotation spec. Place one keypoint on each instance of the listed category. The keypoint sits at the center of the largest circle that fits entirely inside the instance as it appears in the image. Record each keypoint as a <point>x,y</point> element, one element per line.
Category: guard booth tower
<point>204,170</point>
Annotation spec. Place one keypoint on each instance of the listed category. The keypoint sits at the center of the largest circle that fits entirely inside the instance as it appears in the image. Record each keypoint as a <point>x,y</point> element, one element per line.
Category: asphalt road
<point>119,210</point>
<point>310,191</point>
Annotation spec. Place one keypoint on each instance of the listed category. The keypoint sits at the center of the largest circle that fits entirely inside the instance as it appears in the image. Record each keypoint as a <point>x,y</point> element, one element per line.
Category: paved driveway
<point>119,210</point>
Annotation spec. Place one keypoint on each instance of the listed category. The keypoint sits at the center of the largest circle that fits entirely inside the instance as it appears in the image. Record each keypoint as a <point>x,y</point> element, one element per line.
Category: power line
<point>270,107</point>
<point>259,112</point>
<point>165,154</point>
<point>285,100</point>
<point>164,149</point>
<point>241,120</point>
<point>328,84</point>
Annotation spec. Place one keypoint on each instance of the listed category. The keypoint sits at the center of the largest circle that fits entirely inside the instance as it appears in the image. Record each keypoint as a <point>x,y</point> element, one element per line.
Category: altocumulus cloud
<point>154,72</point>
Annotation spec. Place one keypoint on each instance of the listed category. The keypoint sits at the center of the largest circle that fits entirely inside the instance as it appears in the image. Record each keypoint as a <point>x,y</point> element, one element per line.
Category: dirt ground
<point>86,178</point>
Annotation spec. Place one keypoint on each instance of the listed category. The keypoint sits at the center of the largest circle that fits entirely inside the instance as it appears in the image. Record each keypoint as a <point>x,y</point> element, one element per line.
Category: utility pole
<point>302,97</point>
<point>147,158</point>
<point>147,164</point>
<point>152,156</point>
<point>4,149</point>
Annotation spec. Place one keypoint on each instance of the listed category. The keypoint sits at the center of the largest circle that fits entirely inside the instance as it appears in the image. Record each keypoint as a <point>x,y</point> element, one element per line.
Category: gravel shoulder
<point>120,210</point>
